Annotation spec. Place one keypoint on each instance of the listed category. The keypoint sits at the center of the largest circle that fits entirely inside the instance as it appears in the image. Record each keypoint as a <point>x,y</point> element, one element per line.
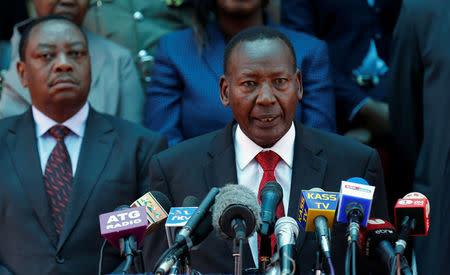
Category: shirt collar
<point>76,124</point>
<point>247,150</point>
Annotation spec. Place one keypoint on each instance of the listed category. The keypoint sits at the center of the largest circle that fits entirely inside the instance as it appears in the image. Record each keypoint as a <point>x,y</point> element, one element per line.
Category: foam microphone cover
<point>235,202</point>
<point>191,201</point>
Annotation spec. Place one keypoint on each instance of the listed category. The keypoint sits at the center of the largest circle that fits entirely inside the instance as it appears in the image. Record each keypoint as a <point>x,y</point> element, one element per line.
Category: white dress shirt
<point>250,173</point>
<point>46,142</point>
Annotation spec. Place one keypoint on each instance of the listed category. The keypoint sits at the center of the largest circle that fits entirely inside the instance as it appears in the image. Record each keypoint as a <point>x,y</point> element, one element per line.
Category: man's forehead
<point>56,32</point>
<point>248,55</point>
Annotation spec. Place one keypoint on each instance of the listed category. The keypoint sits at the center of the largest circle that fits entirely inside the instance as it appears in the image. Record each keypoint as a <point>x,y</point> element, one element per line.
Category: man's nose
<point>265,94</point>
<point>63,63</point>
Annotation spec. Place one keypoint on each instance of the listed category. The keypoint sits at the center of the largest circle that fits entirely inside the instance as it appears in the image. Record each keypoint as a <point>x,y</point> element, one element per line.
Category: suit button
<point>59,259</point>
<point>138,16</point>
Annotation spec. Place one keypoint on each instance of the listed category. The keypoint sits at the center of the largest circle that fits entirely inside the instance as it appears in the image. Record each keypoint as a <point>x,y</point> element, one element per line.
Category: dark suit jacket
<point>112,170</point>
<point>184,89</point>
<point>347,26</point>
<point>320,160</point>
<point>420,115</point>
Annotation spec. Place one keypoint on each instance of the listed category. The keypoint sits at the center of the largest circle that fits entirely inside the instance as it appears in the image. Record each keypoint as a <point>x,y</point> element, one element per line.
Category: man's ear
<point>22,73</point>
<point>224,91</point>
<point>298,79</point>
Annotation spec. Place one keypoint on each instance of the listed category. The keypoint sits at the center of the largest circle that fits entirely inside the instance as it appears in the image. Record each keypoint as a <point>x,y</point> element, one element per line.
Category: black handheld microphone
<point>203,209</point>
<point>270,196</point>
<point>375,242</point>
<point>197,232</point>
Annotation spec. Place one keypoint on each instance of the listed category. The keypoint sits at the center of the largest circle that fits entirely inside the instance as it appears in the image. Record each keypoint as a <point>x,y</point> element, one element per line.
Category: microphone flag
<point>355,192</point>
<point>128,222</point>
<point>313,204</point>
<point>178,217</point>
<point>154,211</point>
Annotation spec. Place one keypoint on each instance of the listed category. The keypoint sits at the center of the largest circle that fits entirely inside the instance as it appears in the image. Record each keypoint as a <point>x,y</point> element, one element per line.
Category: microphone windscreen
<point>272,186</point>
<point>191,201</point>
<point>286,230</point>
<point>244,199</point>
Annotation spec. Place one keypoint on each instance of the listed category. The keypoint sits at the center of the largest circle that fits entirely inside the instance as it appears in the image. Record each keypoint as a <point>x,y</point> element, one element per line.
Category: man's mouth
<point>268,119</point>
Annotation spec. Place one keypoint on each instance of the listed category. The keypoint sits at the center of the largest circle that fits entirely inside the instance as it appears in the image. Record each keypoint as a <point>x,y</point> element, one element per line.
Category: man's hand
<point>362,135</point>
<point>374,115</point>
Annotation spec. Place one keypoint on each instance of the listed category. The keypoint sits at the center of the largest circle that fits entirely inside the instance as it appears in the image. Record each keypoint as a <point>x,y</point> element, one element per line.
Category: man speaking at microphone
<point>63,163</point>
<point>262,86</point>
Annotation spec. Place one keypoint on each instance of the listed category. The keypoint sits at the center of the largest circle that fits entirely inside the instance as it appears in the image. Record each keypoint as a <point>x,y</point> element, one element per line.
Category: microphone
<point>123,222</point>
<point>199,215</point>
<point>316,214</point>
<point>156,206</point>
<point>236,216</point>
<point>412,217</point>
<point>376,242</point>
<point>355,201</point>
<point>124,229</point>
<point>192,233</point>
<point>286,230</point>
<point>179,216</point>
<point>270,196</point>
<point>236,212</point>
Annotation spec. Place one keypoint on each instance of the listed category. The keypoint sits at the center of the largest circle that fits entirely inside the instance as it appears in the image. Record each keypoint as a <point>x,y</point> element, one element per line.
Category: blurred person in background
<point>115,86</point>
<point>137,25</point>
<point>419,105</point>
<point>358,35</point>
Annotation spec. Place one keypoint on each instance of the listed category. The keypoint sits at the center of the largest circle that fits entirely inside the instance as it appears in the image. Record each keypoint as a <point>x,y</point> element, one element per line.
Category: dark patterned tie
<point>268,161</point>
<point>58,177</point>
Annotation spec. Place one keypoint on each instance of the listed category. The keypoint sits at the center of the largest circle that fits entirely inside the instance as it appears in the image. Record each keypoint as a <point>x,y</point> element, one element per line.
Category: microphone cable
<point>100,261</point>
<point>350,258</point>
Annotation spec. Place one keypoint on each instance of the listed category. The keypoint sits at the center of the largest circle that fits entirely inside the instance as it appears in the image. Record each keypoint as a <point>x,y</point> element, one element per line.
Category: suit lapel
<point>95,150</point>
<point>212,51</point>
<point>221,170</point>
<point>308,171</point>
<point>22,146</point>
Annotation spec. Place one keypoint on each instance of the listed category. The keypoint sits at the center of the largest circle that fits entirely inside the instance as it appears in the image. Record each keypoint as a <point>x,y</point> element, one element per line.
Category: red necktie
<point>58,177</point>
<point>268,161</point>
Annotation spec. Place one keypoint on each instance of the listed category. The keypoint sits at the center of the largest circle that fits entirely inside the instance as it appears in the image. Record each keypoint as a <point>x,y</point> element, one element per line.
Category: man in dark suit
<point>262,86</point>
<point>358,34</point>
<point>62,163</point>
<point>420,112</point>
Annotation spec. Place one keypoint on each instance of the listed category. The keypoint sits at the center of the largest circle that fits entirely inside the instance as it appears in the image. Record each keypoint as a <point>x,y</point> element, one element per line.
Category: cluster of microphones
<point>234,212</point>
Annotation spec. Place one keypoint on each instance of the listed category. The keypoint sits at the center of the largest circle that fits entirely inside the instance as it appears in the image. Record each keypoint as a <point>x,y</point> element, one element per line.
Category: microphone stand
<point>264,254</point>
<point>237,254</point>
